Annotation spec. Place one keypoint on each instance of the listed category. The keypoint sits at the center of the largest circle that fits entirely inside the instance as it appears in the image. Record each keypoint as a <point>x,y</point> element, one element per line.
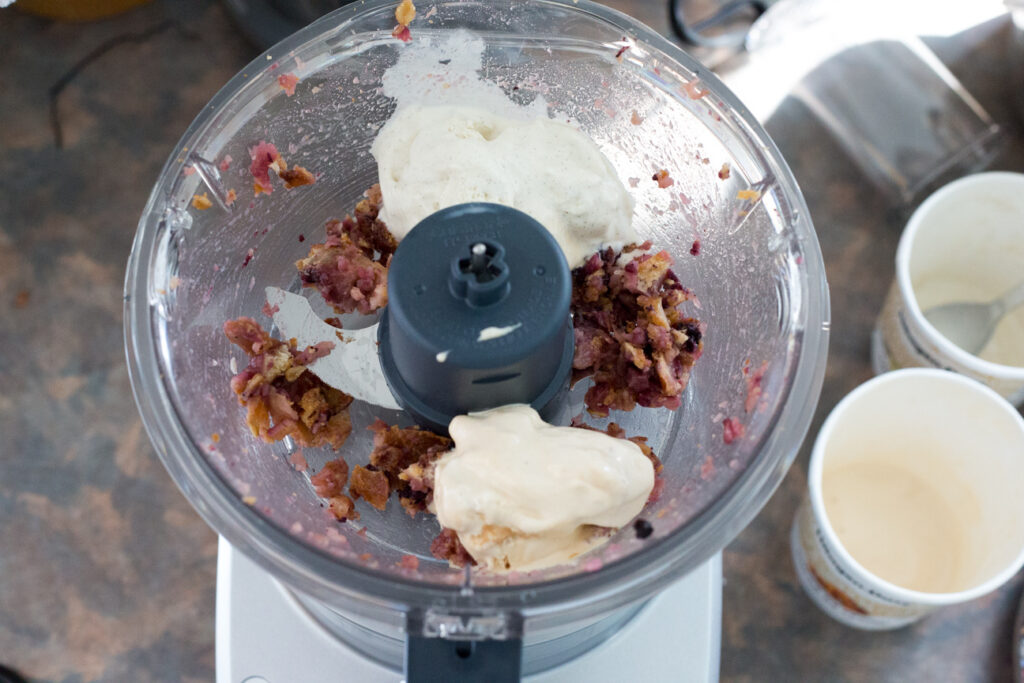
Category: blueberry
<point>642,528</point>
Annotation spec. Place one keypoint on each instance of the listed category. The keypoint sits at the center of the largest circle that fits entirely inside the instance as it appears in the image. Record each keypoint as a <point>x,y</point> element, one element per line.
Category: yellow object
<point>76,10</point>
<point>405,12</point>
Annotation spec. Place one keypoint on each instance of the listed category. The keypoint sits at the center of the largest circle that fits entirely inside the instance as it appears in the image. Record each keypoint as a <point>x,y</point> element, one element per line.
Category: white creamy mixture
<point>909,528</point>
<point>520,492</point>
<point>433,157</point>
<point>489,333</point>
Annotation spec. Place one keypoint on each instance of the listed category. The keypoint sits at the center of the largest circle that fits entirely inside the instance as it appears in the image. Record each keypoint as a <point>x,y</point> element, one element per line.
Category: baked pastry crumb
<point>288,82</point>
<point>201,202</point>
<point>371,484</point>
<point>349,268</point>
<point>280,397</point>
<point>630,333</point>
<point>296,177</point>
<point>663,179</point>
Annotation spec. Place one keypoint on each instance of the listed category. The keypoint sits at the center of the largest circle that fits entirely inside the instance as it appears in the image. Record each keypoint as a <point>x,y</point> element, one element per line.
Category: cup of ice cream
<point>965,243</point>
<point>915,499</point>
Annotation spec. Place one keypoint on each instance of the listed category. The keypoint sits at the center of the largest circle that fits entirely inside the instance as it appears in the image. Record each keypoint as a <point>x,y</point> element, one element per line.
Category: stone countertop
<point>106,573</point>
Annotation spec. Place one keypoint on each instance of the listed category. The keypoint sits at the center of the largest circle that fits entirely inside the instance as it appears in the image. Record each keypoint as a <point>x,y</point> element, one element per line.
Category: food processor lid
<point>622,581</point>
<point>477,315</point>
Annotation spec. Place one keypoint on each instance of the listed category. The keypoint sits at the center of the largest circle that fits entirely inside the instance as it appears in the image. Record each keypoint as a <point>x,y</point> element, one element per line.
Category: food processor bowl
<point>733,220</point>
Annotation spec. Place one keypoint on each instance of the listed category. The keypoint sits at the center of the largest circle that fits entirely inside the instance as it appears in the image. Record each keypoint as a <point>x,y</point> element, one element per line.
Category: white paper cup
<point>964,243</point>
<point>948,450</point>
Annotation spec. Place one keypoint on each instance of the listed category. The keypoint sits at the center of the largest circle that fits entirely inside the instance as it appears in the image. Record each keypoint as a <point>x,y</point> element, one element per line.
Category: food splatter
<point>343,508</point>
<point>707,468</point>
<point>732,429</point>
<point>754,382</point>
<point>201,202</point>
<point>298,461</point>
<point>265,158</point>
<point>659,488</point>
<point>693,90</point>
<point>264,155</point>
<point>725,171</point>
<point>404,14</point>
<point>749,195</point>
<point>663,179</point>
<point>296,177</point>
<point>636,119</point>
<point>288,82</point>
<point>331,479</point>
<point>402,33</point>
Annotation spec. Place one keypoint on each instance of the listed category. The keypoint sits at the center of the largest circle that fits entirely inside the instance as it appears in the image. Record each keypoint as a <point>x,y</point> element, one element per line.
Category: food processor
<point>310,598</point>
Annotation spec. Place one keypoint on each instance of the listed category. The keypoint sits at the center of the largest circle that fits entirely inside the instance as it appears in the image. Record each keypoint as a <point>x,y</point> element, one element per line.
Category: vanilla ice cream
<point>523,494</point>
<point>433,157</point>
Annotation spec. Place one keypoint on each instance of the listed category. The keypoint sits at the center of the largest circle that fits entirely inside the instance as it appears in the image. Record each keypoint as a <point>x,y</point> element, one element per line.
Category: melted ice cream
<point>433,157</point>
<point>523,494</point>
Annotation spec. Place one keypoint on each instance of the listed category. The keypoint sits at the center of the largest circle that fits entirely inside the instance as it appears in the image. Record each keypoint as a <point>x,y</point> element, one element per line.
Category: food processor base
<point>265,636</point>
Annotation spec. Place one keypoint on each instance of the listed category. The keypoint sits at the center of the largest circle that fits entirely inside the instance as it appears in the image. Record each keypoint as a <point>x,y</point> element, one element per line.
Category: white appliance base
<point>265,636</point>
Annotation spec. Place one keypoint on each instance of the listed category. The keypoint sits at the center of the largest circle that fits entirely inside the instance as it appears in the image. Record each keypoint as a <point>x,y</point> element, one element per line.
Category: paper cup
<point>964,243</point>
<point>916,499</point>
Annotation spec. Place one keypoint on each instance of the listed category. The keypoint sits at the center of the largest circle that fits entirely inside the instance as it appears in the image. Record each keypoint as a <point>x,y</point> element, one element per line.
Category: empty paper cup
<point>965,243</point>
<point>916,499</point>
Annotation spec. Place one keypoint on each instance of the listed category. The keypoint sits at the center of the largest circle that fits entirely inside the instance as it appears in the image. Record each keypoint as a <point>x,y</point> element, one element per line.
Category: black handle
<point>693,34</point>
<point>10,675</point>
<point>439,660</point>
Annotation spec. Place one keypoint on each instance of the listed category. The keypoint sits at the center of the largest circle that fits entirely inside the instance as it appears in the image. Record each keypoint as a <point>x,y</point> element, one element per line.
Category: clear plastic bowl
<point>759,279</point>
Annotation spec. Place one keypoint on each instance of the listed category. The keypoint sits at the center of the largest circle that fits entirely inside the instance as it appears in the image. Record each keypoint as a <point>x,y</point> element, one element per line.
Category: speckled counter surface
<point>107,574</point>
